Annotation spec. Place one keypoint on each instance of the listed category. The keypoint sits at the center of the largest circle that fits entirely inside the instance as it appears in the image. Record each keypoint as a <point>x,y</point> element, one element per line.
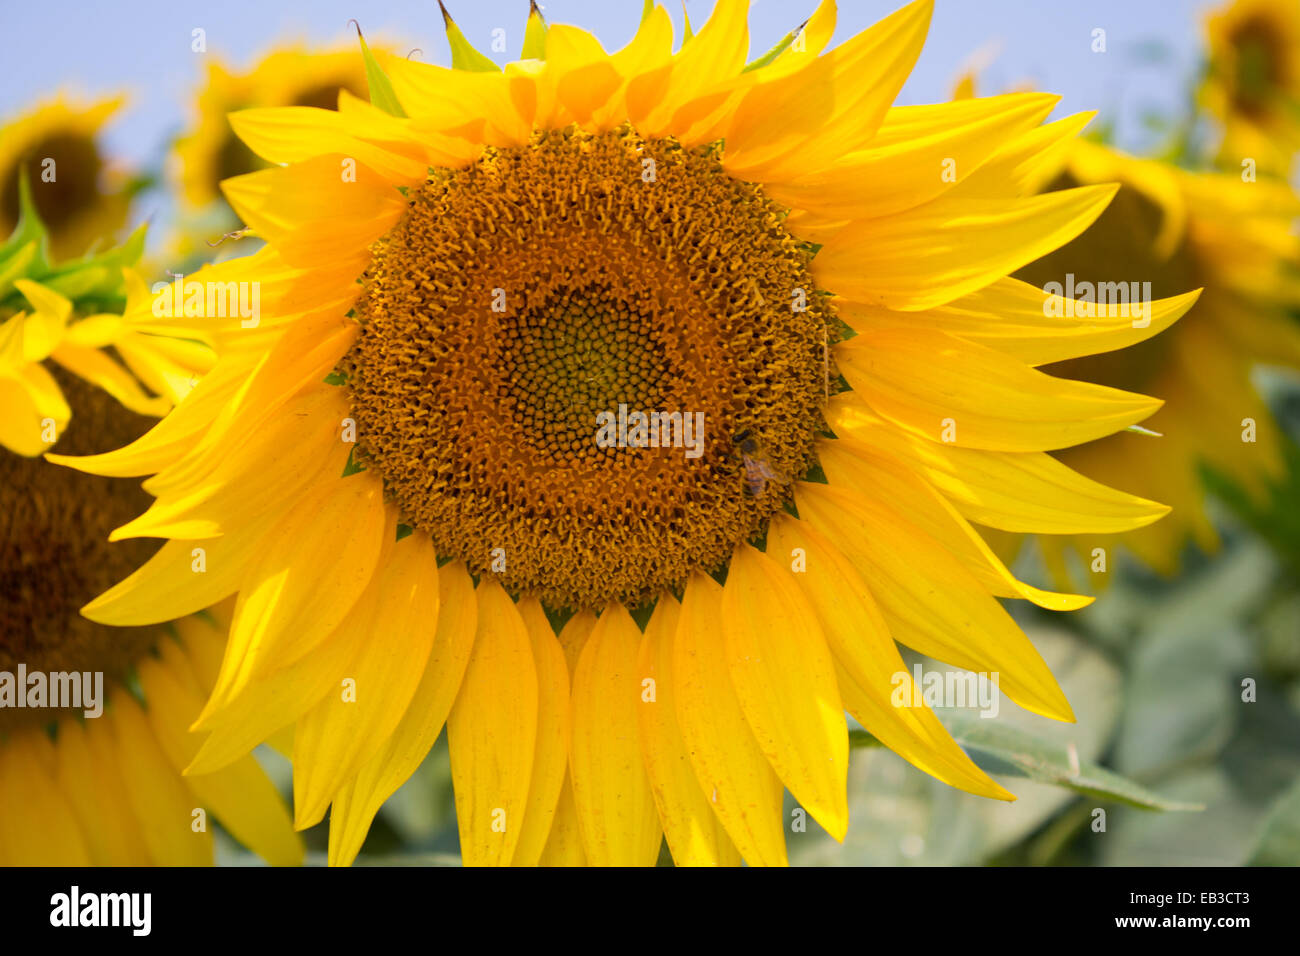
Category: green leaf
<point>1279,837</point>
<point>381,88</point>
<point>463,54</point>
<point>1007,749</point>
<point>860,738</point>
<point>29,228</point>
<point>17,266</point>
<point>534,34</point>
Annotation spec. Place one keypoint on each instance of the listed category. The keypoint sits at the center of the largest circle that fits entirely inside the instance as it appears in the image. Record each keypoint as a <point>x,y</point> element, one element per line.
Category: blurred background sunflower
<point>81,195</point>
<point>1252,82</point>
<point>81,371</point>
<point>1183,230</point>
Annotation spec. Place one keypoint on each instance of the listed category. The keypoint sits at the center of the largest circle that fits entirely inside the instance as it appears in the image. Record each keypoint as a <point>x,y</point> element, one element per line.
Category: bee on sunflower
<point>1252,82</point>
<point>95,779</point>
<point>396,470</point>
<point>1179,230</point>
<point>80,196</point>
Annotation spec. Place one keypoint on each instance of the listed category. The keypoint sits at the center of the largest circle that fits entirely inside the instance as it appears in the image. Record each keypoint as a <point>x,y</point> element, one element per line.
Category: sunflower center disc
<point>521,298</point>
<point>54,550</point>
<point>73,189</point>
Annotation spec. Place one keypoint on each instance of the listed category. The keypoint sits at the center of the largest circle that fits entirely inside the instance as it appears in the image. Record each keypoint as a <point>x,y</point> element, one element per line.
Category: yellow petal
<point>318,561</point>
<point>785,681</point>
<point>316,209</point>
<point>949,390</point>
<point>38,826</point>
<point>336,737</point>
<point>564,844</point>
<point>1023,321</point>
<point>802,122</point>
<point>694,833</point>
<point>240,795</point>
<point>492,732</point>
<point>359,800</point>
<point>97,368</point>
<point>849,463</point>
<point>89,777</point>
<point>28,400</point>
<point>170,438</point>
<point>550,760</point>
<point>157,795</point>
<point>616,810</point>
<point>732,771</point>
<point>44,326</point>
<point>869,667</point>
<point>929,600</point>
<point>295,454</point>
<point>1013,491</point>
<point>883,179</point>
<point>924,257</point>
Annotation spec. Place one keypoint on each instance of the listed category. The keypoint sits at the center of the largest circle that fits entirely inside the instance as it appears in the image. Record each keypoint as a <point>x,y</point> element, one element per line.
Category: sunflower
<point>210,152</point>
<point>1252,84</point>
<point>1181,230</point>
<point>80,197</point>
<point>399,470</point>
<point>98,782</point>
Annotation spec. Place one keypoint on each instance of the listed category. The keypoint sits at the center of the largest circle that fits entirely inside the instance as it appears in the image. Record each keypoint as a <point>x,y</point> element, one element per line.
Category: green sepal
<point>771,55</point>
<point>534,34</point>
<point>352,467</point>
<point>463,54</point>
<point>381,87</point>
<point>29,229</point>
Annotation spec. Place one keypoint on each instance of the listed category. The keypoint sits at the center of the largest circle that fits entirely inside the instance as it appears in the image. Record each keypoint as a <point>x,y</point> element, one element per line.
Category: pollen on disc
<point>521,297</point>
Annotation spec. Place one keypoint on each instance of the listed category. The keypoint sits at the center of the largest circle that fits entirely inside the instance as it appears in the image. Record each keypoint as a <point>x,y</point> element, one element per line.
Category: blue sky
<point>142,47</point>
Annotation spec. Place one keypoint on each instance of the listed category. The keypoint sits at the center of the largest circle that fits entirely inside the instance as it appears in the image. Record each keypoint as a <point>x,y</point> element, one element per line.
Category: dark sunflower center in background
<point>54,550</point>
<point>1259,66</point>
<point>523,297</point>
<point>234,158</point>
<point>1119,247</point>
<point>72,190</point>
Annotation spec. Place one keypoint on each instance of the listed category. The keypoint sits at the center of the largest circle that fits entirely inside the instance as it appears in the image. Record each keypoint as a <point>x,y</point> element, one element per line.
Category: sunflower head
<point>71,345</point>
<point>96,779</point>
<point>79,195</point>
<point>1178,231</point>
<point>734,343</point>
<point>1252,84</point>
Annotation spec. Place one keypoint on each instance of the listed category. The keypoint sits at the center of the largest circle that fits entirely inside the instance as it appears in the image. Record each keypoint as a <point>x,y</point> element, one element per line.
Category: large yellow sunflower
<point>80,196</point>
<point>95,778</point>
<point>1252,85</point>
<point>1182,230</point>
<point>401,471</point>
